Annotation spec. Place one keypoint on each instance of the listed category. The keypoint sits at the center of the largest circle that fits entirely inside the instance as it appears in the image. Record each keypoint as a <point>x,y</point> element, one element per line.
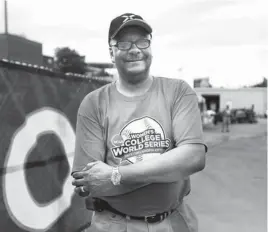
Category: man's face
<point>134,62</point>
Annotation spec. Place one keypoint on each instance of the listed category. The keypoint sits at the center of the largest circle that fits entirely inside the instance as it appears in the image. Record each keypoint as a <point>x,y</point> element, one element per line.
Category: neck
<point>134,89</point>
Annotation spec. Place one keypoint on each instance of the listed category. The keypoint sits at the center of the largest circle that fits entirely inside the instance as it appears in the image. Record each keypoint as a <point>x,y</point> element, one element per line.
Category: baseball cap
<point>127,19</point>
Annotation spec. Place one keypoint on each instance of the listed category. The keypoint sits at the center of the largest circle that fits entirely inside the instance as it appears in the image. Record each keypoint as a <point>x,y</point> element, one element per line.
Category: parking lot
<point>230,194</point>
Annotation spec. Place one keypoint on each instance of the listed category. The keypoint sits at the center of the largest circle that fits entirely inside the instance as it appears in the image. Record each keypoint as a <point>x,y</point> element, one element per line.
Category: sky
<point>225,40</point>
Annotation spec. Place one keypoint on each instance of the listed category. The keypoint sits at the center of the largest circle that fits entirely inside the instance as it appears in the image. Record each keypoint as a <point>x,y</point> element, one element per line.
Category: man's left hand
<point>95,177</point>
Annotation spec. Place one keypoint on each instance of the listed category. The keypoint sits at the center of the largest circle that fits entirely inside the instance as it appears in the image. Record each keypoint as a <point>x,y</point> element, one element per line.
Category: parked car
<point>240,115</point>
<point>244,115</point>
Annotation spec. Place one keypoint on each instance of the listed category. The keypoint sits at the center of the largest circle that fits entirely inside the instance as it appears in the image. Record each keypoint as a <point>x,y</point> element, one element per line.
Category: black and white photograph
<point>133,116</point>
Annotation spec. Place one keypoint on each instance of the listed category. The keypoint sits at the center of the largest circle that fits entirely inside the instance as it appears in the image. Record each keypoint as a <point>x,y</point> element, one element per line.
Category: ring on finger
<point>83,189</point>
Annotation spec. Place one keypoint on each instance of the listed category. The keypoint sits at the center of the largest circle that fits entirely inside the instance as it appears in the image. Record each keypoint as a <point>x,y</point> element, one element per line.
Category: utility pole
<point>6,18</point>
<point>6,29</point>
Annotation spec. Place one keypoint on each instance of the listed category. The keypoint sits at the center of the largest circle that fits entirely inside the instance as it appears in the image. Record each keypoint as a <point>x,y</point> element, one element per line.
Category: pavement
<point>230,194</point>
<point>214,136</point>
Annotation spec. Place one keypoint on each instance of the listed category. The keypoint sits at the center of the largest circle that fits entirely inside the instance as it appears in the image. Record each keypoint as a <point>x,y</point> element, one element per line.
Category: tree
<point>69,60</point>
<point>261,84</point>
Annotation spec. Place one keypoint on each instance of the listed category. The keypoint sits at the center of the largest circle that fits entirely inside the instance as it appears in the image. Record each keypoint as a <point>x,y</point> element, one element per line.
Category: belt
<point>100,205</point>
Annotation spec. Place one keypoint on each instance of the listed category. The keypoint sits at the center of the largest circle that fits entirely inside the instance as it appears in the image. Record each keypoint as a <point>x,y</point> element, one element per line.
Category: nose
<point>134,49</point>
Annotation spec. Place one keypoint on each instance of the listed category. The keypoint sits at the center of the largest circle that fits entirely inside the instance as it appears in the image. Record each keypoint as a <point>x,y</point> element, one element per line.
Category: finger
<point>90,165</point>
<point>81,189</point>
<point>79,175</point>
<point>78,182</point>
<point>77,190</point>
<point>86,168</point>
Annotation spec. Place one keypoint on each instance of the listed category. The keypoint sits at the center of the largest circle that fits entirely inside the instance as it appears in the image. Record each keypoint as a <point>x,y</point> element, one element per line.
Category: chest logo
<point>140,139</point>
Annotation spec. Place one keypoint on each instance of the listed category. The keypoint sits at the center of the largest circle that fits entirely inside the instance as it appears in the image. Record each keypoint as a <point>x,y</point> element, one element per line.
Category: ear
<point>111,54</point>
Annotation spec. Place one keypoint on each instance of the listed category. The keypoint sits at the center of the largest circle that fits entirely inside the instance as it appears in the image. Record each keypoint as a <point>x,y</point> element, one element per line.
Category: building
<point>21,49</point>
<point>17,48</point>
<point>217,98</point>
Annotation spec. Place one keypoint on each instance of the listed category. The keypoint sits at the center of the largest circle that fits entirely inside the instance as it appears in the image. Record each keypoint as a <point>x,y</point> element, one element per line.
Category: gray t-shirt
<point>122,130</point>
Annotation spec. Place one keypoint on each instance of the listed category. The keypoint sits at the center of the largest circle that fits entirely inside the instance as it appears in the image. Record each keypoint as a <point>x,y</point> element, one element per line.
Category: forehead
<point>131,31</point>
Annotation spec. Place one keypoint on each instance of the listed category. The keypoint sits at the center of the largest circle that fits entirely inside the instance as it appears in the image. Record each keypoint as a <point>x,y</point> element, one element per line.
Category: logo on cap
<point>128,17</point>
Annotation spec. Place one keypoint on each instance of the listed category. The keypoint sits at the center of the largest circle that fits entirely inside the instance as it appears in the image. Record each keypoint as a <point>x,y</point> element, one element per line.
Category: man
<point>226,119</point>
<point>138,140</point>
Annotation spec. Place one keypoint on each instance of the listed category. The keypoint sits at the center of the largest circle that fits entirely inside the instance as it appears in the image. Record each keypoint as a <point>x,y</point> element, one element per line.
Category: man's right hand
<point>78,189</point>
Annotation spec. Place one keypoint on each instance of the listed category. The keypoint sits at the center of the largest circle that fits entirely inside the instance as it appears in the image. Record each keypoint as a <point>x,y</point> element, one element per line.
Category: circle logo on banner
<point>22,207</point>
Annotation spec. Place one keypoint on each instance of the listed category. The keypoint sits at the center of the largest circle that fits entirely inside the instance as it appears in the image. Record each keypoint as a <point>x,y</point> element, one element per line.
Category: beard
<point>135,70</point>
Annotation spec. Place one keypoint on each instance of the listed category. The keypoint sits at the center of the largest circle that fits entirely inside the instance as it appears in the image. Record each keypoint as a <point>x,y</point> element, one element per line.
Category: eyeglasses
<point>126,45</point>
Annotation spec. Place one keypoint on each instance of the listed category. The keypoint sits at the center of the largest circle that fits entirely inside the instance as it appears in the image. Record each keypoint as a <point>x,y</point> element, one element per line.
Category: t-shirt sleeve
<point>186,117</point>
<point>89,142</point>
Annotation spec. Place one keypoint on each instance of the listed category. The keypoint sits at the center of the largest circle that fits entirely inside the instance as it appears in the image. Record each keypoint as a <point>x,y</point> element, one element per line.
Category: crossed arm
<point>174,165</point>
<point>96,179</point>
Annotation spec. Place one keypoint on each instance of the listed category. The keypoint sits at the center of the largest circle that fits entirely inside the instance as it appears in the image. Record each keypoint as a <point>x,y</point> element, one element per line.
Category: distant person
<point>252,115</point>
<point>226,119</point>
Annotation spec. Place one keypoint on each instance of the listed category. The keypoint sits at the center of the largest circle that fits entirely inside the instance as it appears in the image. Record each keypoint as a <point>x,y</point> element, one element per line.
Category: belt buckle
<point>97,205</point>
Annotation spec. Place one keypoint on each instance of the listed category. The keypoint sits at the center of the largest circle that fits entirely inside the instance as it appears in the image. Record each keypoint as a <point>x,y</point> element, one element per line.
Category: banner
<point>37,124</point>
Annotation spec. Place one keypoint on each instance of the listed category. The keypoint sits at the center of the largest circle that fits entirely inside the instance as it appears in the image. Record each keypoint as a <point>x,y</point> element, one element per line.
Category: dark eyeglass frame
<point>131,44</point>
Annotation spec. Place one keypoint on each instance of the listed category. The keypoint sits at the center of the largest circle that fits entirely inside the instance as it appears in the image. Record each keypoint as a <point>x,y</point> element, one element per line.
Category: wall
<point>240,98</point>
<point>37,123</point>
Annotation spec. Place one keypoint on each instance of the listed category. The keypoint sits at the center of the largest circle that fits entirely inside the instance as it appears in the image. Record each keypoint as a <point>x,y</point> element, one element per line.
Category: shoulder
<point>94,99</point>
<point>177,86</point>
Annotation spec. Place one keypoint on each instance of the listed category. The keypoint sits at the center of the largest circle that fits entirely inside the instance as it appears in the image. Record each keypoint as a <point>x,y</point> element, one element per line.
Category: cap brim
<point>134,22</point>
